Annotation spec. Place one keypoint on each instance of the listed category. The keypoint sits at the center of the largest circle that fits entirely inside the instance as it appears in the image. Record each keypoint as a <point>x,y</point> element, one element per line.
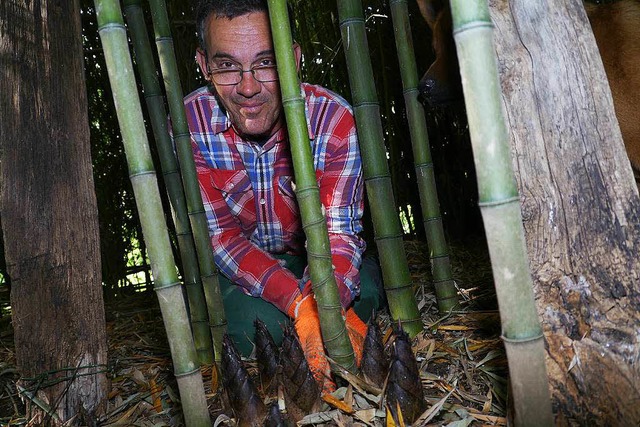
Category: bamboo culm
<point>446,293</point>
<point>197,216</point>
<point>388,232</point>
<point>323,281</point>
<point>158,115</point>
<point>166,284</point>
<point>500,207</point>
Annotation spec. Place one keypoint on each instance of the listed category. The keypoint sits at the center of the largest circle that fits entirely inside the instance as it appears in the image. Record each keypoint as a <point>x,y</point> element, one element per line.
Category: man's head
<point>237,58</point>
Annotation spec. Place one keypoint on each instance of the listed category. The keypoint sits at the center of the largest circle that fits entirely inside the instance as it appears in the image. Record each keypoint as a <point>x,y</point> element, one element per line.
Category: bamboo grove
<point>388,164</point>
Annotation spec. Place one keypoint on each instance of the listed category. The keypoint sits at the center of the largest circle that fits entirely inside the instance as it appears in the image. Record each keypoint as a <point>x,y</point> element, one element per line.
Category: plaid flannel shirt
<point>250,204</point>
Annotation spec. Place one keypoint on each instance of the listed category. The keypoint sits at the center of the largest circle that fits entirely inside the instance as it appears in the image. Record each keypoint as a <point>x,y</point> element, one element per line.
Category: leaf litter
<point>460,360</point>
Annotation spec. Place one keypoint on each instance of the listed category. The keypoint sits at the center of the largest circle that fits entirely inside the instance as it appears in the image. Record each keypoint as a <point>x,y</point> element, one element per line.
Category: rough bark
<point>49,211</point>
<point>580,206</point>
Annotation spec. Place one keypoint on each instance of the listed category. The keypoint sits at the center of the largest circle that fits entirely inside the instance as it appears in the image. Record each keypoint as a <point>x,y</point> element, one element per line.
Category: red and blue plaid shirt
<point>250,204</point>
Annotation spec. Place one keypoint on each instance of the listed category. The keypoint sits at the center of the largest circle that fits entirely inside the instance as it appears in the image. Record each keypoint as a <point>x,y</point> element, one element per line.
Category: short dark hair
<point>229,9</point>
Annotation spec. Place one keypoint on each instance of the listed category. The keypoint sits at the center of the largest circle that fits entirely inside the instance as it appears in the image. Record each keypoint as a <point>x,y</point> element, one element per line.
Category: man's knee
<point>241,311</point>
<point>371,289</point>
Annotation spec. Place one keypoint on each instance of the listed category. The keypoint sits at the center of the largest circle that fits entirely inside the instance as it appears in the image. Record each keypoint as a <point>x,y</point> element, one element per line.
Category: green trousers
<point>241,310</point>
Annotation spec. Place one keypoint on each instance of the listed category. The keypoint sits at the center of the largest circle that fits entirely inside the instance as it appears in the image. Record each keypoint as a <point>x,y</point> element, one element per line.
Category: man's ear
<point>298,53</point>
<point>201,58</point>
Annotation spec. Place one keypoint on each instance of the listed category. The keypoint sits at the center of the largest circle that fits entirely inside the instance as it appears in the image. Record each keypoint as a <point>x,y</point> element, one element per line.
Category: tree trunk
<point>49,211</point>
<point>580,206</point>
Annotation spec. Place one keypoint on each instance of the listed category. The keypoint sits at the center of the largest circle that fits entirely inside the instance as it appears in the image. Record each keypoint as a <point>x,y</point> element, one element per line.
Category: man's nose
<point>248,86</point>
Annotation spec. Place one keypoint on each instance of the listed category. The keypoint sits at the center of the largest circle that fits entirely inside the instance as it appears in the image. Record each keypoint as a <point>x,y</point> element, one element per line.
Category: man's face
<point>244,42</point>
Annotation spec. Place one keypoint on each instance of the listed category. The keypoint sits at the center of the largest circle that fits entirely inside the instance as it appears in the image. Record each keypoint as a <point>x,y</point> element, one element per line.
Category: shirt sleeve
<point>341,194</point>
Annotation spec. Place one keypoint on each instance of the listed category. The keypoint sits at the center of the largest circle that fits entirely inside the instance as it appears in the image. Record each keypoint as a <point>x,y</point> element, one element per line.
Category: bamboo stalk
<point>334,332</point>
<point>393,260</point>
<point>446,293</point>
<point>500,207</point>
<point>197,216</point>
<point>145,187</point>
<point>158,115</point>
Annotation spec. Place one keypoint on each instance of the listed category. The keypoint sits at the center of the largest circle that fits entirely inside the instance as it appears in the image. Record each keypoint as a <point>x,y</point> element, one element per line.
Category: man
<point>245,172</point>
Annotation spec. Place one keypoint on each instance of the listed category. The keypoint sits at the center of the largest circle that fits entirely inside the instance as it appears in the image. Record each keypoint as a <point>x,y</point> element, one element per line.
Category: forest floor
<point>460,356</point>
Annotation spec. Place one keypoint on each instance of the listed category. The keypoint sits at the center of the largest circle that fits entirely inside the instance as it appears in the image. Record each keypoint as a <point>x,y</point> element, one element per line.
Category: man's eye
<point>267,62</point>
<point>227,65</point>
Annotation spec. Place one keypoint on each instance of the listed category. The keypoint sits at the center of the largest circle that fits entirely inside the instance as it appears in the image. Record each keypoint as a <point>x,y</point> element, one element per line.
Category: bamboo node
<point>410,91</point>
<point>419,166</point>
<point>351,21</point>
<point>472,26</point>
<point>178,135</point>
<point>313,223</point>
<point>186,374</point>
<point>398,288</point>
<point>522,340</point>
<point>432,219</point>
<point>161,39</point>
<point>388,237</point>
<point>302,192</point>
<point>111,26</point>
<point>142,173</point>
<point>366,104</point>
<point>514,199</point>
<point>292,101</point>
<point>338,335</point>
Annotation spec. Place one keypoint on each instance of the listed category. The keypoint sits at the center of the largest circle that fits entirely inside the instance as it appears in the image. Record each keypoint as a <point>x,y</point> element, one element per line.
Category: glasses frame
<point>241,72</point>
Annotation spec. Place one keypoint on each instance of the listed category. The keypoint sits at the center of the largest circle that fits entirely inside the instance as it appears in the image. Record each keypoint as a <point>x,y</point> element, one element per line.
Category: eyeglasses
<point>263,74</point>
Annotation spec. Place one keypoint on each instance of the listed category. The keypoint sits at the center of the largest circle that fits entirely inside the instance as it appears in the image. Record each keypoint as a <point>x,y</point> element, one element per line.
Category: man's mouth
<point>250,108</point>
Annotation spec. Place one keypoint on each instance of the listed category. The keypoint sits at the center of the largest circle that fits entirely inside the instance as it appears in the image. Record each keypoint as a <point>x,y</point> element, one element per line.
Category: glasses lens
<point>226,77</point>
<point>265,74</point>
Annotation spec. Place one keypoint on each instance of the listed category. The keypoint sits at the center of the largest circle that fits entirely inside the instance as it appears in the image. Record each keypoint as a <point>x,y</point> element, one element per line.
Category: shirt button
<point>263,201</point>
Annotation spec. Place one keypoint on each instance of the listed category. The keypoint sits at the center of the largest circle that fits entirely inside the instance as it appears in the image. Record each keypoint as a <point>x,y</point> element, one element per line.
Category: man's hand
<point>307,323</point>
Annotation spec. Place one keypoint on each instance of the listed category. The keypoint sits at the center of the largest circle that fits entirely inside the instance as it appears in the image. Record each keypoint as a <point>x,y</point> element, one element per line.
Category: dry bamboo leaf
<point>499,421</point>
<point>338,404</point>
<point>404,387</point>
<point>139,378</point>
<point>489,356</point>
<point>156,390</point>
<point>124,420</point>
<point>348,395</point>
<point>299,384</point>
<point>486,408</point>
<point>363,386</point>
<point>375,363</point>
<point>318,418</point>
<point>432,412</point>
<point>215,377</point>
<point>267,358</point>
<point>365,415</point>
<point>454,328</point>
<point>243,396</point>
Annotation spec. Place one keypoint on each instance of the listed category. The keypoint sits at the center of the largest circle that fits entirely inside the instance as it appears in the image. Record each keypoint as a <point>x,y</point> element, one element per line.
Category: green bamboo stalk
<point>334,332</point>
<point>182,137</point>
<point>446,293</point>
<point>158,115</point>
<point>500,207</point>
<point>145,187</point>
<point>393,259</point>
